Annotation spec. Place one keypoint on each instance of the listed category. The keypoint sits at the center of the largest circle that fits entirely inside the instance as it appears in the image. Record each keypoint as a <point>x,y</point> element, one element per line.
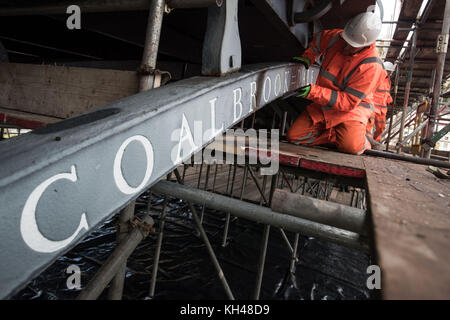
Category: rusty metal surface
<point>411,224</point>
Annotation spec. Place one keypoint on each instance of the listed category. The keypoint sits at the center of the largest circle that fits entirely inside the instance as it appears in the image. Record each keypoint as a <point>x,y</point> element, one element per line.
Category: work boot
<point>375,144</point>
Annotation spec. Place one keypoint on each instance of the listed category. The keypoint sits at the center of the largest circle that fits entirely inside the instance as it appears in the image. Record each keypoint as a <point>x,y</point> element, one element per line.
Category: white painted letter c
<point>28,225</point>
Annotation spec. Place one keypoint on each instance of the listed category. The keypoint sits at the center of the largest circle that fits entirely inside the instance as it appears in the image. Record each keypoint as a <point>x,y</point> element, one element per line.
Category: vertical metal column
<point>394,103</point>
<point>227,221</point>
<point>283,123</point>
<point>265,240</point>
<point>412,53</point>
<point>148,63</point>
<point>214,180</point>
<point>158,247</point>
<point>208,168</point>
<point>296,239</point>
<point>116,287</point>
<point>442,52</point>
<point>208,245</point>
<point>262,260</point>
<point>147,68</point>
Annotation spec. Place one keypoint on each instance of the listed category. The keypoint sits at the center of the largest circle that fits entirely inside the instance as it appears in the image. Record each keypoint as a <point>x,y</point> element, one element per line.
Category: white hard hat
<point>363,29</point>
<point>388,66</point>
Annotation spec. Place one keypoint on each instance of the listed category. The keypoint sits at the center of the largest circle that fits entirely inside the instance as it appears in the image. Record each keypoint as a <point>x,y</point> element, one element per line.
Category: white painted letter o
<point>121,183</point>
<point>264,89</point>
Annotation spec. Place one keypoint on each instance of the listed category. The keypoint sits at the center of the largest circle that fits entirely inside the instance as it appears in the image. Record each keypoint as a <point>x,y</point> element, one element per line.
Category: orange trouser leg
<point>303,131</point>
<point>380,125</point>
<point>351,137</point>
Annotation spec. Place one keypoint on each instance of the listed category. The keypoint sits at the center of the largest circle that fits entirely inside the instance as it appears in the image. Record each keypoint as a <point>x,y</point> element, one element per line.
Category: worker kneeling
<point>342,96</point>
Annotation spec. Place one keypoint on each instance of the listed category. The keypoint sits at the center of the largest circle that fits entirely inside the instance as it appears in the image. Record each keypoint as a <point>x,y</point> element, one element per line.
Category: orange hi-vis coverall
<point>342,96</point>
<point>378,99</point>
<point>381,99</point>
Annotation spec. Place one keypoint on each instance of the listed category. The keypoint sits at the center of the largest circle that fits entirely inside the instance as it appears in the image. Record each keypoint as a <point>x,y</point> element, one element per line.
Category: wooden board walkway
<point>410,213</point>
<point>411,225</point>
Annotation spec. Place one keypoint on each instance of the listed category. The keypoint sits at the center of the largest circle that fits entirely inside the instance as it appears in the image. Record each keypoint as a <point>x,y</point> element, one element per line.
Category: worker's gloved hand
<point>303,91</point>
<point>303,60</point>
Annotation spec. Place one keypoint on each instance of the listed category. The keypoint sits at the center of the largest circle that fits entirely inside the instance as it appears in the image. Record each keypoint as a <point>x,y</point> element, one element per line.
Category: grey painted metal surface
<point>317,12</point>
<point>281,14</point>
<point>222,46</point>
<point>59,182</point>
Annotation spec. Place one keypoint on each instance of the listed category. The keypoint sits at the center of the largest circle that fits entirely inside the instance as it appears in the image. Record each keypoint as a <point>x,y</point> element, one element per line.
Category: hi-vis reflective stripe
<point>367,105</point>
<point>380,106</point>
<point>309,135</point>
<point>378,90</point>
<point>354,92</point>
<point>331,102</point>
<point>333,41</point>
<point>310,141</point>
<point>365,61</point>
<point>316,51</point>
<point>363,148</point>
<point>329,76</point>
<point>333,98</point>
<point>381,122</point>
<point>318,39</point>
<point>303,138</point>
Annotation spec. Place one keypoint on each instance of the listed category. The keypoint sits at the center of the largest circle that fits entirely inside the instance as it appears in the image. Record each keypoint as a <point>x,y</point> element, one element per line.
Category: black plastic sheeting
<point>324,270</point>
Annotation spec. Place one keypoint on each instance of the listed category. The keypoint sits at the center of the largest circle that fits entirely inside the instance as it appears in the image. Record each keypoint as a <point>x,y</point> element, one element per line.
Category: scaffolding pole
<point>442,52</point>
<point>391,119</point>
<point>412,53</point>
<point>146,82</point>
<point>115,261</point>
<point>262,214</point>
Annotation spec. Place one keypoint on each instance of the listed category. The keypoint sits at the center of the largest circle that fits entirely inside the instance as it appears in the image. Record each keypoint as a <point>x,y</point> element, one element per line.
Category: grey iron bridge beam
<point>60,182</point>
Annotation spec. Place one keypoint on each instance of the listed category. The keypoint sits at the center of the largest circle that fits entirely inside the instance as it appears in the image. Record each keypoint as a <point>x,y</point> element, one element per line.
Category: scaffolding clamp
<point>442,43</point>
<point>135,222</point>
